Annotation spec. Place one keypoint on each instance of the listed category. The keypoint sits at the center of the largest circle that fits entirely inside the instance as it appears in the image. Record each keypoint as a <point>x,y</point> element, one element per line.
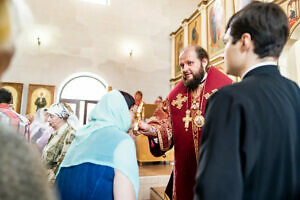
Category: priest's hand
<point>146,129</point>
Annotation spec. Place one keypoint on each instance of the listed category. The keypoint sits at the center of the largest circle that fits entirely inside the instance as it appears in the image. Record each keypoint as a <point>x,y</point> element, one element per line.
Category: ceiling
<point>106,34</point>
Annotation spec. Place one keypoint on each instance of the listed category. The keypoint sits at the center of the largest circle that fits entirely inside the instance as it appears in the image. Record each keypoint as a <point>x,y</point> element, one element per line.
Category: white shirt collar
<point>259,65</point>
<point>204,78</point>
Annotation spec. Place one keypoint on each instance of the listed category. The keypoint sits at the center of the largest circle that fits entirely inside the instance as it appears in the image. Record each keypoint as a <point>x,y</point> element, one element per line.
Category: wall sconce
<point>39,41</point>
<point>130,48</point>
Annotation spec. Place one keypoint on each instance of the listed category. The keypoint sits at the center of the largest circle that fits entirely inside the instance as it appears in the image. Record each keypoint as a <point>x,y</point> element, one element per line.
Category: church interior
<point>75,51</point>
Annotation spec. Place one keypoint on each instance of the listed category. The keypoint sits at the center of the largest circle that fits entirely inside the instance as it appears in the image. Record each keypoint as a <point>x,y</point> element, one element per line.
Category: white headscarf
<point>60,110</point>
<point>38,122</point>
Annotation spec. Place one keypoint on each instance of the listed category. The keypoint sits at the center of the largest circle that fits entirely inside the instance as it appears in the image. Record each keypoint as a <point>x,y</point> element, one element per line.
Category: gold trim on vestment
<point>179,101</point>
<point>166,197</point>
<point>207,95</point>
<point>161,142</point>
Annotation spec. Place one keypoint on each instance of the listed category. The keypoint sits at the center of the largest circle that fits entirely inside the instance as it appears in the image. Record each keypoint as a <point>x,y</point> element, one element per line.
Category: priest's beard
<point>195,82</point>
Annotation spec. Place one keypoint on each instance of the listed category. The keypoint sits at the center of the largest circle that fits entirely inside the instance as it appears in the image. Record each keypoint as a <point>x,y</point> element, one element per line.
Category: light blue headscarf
<point>104,140</point>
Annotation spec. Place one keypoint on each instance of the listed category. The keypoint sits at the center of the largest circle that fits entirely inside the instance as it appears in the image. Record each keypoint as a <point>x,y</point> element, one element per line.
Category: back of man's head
<point>5,96</point>
<point>266,23</point>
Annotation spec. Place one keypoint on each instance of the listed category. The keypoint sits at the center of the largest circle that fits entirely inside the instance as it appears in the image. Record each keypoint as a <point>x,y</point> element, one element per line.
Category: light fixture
<point>38,41</point>
<point>42,35</point>
<point>130,49</point>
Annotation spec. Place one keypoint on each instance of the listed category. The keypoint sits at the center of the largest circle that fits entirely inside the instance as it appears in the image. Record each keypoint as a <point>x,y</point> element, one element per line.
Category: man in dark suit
<point>251,140</point>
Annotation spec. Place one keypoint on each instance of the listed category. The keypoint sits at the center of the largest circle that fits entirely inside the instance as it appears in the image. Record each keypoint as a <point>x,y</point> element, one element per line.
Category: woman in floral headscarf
<point>60,140</point>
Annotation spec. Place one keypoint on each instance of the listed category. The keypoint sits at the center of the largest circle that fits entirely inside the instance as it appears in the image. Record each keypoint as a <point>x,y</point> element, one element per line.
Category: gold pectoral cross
<point>179,100</point>
<point>187,119</point>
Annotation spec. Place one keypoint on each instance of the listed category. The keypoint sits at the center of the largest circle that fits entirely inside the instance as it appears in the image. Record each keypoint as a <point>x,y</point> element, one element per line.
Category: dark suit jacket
<point>251,140</point>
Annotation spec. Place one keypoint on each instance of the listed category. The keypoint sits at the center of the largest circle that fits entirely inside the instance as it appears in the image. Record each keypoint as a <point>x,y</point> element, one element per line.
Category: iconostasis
<point>206,27</point>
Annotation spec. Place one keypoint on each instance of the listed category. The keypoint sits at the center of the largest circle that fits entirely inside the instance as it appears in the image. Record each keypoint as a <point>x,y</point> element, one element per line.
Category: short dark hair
<point>266,23</point>
<point>128,98</point>
<point>201,53</point>
<point>5,96</point>
<point>139,92</point>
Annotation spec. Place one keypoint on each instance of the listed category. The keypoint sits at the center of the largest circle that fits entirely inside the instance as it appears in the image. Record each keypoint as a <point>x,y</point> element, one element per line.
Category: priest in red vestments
<point>180,120</point>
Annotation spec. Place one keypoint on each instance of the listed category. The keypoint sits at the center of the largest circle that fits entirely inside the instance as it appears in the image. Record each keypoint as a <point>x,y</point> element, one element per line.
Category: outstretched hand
<point>146,129</point>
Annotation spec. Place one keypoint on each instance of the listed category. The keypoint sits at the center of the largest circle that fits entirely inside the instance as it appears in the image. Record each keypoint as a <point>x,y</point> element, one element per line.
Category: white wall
<point>77,36</point>
<point>297,64</point>
<point>289,60</point>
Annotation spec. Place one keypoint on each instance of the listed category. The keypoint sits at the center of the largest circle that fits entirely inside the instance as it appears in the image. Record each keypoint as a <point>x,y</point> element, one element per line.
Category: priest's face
<point>193,69</point>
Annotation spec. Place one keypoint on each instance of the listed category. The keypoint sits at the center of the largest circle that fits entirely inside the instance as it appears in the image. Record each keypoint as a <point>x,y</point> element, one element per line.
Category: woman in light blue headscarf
<point>101,161</point>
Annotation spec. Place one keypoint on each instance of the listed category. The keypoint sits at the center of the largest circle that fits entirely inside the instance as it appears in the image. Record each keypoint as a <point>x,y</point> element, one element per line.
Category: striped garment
<point>16,121</point>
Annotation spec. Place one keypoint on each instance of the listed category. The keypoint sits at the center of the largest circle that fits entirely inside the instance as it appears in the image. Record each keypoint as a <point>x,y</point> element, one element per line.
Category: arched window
<point>82,92</point>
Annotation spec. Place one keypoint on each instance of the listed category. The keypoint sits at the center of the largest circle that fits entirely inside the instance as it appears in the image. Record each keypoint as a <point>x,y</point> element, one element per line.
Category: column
<point>172,38</point>
<point>186,33</point>
<point>202,10</point>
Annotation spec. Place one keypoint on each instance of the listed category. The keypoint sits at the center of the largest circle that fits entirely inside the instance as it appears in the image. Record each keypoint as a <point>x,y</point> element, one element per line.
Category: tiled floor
<point>155,169</point>
<point>157,193</point>
<point>153,176</point>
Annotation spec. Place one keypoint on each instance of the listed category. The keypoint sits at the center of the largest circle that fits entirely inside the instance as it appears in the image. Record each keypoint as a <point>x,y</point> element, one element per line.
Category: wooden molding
<point>178,30</point>
<point>203,2</point>
<point>278,1</point>
<point>216,59</point>
<point>185,21</point>
<point>172,34</point>
<point>196,12</point>
<point>176,78</point>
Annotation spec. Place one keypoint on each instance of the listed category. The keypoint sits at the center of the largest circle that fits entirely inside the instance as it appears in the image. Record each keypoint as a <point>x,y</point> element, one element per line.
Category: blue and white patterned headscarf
<point>60,110</point>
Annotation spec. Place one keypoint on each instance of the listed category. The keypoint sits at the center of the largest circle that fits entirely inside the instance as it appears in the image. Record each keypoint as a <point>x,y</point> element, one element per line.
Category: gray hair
<point>22,174</point>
